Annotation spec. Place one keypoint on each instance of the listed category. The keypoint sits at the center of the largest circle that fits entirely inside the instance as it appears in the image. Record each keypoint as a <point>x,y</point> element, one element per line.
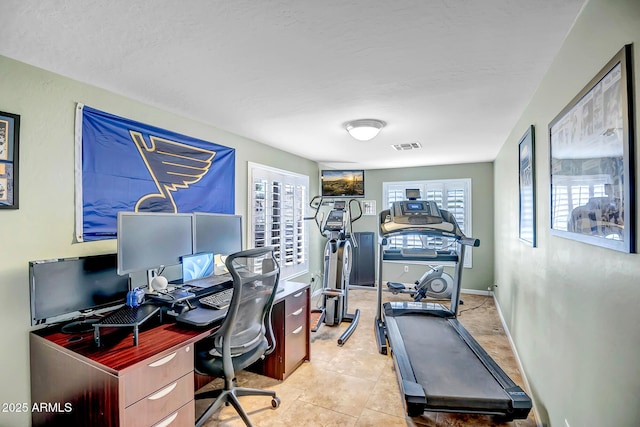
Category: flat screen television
<point>342,183</point>
<point>66,289</point>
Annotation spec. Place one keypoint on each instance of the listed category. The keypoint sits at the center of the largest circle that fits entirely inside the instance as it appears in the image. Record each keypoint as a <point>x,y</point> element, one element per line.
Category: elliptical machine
<point>338,253</point>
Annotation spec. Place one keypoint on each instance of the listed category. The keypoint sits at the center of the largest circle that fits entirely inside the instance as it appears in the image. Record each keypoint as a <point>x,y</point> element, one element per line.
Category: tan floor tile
<point>370,418</point>
<point>385,397</point>
<point>308,415</point>
<point>340,393</point>
<point>364,365</point>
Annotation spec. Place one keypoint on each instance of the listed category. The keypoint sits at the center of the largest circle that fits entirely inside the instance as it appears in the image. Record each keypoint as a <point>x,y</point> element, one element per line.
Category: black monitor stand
<point>79,326</point>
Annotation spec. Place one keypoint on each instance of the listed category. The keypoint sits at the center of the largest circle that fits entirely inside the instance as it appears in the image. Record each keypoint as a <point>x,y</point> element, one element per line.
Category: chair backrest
<point>247,325</point>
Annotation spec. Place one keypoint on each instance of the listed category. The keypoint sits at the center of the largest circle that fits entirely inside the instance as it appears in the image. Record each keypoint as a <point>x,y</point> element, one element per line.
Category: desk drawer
<point>162,404</point>
<point>183,417</point>
<point>296,349</point>
<point>156,373</point>
<point>294,302</point>
<point>295,320</point>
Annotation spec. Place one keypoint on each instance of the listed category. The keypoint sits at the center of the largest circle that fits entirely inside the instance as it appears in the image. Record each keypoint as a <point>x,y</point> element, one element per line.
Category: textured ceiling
<point>452,75</point>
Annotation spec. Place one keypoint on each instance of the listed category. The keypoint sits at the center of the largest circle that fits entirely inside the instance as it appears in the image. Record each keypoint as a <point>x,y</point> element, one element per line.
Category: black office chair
<point>245,335</point>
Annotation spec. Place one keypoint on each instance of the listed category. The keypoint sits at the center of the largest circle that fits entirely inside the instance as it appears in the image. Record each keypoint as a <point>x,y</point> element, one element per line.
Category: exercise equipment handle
<point>469,241</point>
<point>316,207</point>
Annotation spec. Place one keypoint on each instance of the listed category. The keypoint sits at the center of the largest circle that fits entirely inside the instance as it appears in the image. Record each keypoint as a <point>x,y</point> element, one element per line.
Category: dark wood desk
<point>119,384</point>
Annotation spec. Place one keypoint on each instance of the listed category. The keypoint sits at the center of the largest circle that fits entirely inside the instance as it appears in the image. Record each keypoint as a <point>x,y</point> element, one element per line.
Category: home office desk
<point>151,384</point>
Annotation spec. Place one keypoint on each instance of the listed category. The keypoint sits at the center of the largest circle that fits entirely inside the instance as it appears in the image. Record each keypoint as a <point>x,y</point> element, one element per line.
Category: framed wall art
<point>591,161</point>
<point>369,207</point>
<point>526,157</point>
<point>9,144</point>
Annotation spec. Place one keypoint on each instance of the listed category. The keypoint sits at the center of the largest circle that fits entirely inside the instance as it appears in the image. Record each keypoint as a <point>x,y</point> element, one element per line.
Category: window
<point>453,195</point>
<point>277,207</point>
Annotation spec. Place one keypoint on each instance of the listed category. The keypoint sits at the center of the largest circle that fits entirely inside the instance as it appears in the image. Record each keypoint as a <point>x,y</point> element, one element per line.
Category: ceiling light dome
<point>364,129</point>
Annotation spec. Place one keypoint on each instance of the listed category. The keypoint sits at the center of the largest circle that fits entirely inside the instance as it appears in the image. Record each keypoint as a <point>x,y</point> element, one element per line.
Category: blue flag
<point>130,166</point>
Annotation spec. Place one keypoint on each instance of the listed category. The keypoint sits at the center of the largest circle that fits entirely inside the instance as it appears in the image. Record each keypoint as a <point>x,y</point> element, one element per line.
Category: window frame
<point>285,200</point>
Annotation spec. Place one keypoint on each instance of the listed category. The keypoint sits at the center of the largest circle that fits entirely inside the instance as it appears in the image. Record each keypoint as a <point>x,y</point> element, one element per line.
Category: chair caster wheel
<point>275,402</point>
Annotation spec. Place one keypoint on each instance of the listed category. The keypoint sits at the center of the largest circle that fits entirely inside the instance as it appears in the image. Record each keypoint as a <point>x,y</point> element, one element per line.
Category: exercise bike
<point>434,283</point>
<point>338,252</point>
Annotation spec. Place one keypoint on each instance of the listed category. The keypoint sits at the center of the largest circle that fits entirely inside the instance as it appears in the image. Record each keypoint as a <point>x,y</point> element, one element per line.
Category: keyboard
<point>218,300</point>
<point>129,316</point>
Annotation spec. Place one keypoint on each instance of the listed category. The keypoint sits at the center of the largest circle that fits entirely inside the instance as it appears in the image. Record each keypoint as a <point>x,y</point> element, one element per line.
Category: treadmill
<point>439,366</point>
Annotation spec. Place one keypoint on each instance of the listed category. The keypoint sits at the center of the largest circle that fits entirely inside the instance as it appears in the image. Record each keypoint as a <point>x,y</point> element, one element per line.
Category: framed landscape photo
<point>591,161</point>
<point>9,144</point>
<point>526,156</point>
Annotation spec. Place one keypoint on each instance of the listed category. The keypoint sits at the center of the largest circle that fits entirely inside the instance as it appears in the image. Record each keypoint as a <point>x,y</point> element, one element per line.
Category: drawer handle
<point>162,361</point>
<point>167,421</point>
<point>162,393</point>
<point>297,331</point>
<point>298,294</point>
<point>297,312</point>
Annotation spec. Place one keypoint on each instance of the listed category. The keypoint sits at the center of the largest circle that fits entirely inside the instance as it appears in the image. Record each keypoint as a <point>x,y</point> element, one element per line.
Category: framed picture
<point>9,143</point>
<point>527,187</point>
<point>591,154</point>
<point>369,207</point>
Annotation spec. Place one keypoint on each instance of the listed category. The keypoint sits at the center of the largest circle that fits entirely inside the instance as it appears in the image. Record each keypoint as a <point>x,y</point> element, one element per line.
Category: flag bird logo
<point>172,166</point>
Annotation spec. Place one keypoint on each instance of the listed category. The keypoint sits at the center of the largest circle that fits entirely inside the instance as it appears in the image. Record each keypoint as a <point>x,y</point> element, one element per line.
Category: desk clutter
<point>93,296</point>
<point>120,378</point>
<point>131,358</point>
<point>171,304</point>
<point>77,288</point>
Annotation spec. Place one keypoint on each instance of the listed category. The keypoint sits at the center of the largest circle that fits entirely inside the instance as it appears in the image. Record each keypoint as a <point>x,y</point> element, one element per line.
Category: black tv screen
<point>67,288</point>
<point>342,183</point>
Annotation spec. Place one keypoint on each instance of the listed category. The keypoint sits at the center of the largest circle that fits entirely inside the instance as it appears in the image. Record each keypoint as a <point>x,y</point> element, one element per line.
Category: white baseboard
<point>475,292</point>
<point>462,291</point>
<point>515,353</point>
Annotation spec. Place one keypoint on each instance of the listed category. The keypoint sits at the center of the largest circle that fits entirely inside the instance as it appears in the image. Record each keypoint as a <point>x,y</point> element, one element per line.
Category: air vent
<point>406,147</point>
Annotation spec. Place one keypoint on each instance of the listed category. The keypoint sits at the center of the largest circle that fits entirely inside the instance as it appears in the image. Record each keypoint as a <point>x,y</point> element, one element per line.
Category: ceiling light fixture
<point>364,129</point>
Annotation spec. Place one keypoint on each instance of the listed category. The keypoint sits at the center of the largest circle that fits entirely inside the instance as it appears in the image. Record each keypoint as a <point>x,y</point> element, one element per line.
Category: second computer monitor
<point>148,240</point>
<point>220,234</point>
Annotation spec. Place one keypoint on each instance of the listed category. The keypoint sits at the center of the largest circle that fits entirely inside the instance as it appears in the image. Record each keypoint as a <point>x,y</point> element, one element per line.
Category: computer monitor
<point>197,266</point>
<point>220,234</point>
<point>148,240</point>
<point>70,288</point>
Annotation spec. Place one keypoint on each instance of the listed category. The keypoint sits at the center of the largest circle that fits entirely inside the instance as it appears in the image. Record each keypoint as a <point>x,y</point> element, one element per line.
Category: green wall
<point>571,308</point>
<point>43,227</point>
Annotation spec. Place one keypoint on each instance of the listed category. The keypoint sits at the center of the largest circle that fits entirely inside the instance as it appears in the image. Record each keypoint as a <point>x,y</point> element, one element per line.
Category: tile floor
<point>354,385</point>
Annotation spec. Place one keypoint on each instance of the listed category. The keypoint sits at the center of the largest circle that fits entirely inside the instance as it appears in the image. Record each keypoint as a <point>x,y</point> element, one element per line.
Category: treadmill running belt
<point>450,373</point>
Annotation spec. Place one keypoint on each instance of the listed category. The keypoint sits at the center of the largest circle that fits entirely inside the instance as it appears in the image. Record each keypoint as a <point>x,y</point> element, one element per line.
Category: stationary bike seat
<point>395,286</point>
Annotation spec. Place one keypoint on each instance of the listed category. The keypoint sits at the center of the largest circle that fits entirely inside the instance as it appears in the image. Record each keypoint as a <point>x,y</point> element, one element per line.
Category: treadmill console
<point>416,212</point>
